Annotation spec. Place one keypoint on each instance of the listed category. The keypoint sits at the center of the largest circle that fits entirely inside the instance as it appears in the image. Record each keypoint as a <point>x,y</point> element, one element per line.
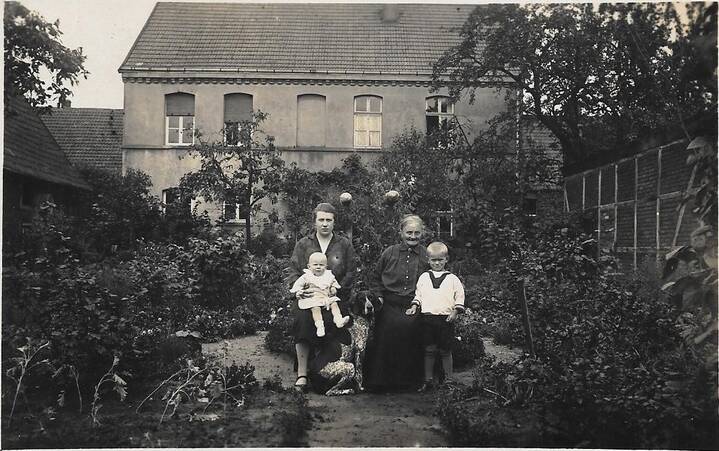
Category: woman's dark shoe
<point>301,387</point>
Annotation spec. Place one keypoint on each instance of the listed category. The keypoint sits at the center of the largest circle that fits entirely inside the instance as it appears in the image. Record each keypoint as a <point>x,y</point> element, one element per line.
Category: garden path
<point>367,420</point>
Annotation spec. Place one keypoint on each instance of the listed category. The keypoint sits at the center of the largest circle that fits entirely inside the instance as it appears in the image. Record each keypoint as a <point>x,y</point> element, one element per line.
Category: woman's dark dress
<point>394,357</point>
<point>341,261</point>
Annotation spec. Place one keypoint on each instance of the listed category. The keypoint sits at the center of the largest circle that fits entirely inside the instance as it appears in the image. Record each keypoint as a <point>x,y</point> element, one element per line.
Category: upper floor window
<point>180,119</point>
<point>439,112</point>
<point>368,122</point>
<point>238,109</point>
<point>311,120</point>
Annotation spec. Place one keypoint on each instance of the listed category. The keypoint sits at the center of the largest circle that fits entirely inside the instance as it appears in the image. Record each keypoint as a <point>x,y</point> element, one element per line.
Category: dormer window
<point>179,119</point>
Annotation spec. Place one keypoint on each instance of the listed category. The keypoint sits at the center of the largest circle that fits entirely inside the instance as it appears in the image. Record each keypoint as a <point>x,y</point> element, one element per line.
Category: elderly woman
<point>314,352</point>
<point>394,361</point>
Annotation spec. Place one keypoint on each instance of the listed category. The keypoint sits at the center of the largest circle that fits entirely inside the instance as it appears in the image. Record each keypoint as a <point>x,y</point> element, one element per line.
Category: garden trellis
<point>634,202</point>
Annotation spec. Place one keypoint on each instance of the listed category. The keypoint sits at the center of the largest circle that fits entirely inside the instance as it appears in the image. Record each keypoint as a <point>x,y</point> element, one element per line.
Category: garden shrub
<point>468,345</point>
<point>611,363</point>
<point>278,338</point>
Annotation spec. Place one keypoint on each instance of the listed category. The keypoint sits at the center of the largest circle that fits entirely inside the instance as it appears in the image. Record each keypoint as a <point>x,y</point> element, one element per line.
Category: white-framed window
<point>231,212</point>
<point>173,196</point>
<point>368,122</point>
<point>238,109</point>
<point>179,119</point>
<point>445,224</point>
<point>439,111</point>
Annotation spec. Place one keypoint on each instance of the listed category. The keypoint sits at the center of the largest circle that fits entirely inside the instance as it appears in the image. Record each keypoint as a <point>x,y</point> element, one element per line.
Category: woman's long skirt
<point>394,355</point>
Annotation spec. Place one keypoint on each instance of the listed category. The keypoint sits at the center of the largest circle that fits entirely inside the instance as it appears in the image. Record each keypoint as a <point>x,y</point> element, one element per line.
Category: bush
<point>611,364</point>
<point>468,345</point>
<point>278,338</point>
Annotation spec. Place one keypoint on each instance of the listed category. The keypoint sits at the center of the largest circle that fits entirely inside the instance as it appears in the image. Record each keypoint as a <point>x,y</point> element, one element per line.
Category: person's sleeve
<point>351,259</point>
<point>420,290</point>
<point>375,277</point>
<point>297,286</point>
<point>296,265</point>
<point>458,294</point>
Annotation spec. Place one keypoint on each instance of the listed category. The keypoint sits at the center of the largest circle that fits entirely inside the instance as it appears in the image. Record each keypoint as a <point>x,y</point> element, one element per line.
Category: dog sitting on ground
<point>346,372</point>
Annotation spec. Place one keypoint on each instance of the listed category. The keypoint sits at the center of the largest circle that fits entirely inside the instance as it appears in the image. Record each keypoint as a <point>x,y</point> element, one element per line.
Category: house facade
<point>335,79</point>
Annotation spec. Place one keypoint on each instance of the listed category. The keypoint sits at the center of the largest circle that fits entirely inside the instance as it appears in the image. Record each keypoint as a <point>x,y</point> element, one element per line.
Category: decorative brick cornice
<point>290,81</point>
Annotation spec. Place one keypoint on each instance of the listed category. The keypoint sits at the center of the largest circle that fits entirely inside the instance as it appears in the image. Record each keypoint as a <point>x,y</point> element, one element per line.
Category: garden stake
<point>525,317</point>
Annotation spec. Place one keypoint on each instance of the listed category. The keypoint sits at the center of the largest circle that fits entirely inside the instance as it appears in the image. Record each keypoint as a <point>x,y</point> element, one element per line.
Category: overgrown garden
<point>104,313</point>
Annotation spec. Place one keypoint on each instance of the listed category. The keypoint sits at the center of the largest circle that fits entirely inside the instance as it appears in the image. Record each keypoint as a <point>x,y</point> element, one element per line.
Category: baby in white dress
<point>324,285</point>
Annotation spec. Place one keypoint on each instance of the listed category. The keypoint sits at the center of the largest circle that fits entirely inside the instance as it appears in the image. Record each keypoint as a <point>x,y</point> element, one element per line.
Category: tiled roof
<point>30,149</point>
<point>88,136</point>
<point>296,37</point>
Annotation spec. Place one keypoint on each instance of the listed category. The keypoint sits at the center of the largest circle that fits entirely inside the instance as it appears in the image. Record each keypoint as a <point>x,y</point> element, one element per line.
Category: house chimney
<point>390,13</point>
<point>64,104</point>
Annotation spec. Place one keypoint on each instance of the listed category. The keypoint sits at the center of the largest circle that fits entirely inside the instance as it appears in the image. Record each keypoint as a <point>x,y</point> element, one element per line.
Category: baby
<point>324,286</point>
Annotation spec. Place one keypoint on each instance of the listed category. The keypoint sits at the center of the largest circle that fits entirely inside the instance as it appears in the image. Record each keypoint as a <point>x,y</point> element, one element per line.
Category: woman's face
<point>324,223</point>
<point>411,234</point>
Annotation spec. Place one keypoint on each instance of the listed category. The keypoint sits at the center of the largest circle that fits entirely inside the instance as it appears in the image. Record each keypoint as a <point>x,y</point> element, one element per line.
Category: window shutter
<point>238,107</point>
<point>180,104</point>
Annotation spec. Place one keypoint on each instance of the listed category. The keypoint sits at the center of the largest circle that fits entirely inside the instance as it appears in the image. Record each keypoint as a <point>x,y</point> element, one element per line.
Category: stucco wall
<point>403,107</point>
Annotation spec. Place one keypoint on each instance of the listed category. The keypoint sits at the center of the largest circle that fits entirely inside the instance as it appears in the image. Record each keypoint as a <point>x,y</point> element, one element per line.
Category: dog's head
<point>358,301</point>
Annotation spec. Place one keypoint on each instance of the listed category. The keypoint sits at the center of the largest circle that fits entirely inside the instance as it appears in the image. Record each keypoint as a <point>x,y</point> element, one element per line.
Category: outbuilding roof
<point>30,149</point>
<point>88,136</point>
<point>297,37</point>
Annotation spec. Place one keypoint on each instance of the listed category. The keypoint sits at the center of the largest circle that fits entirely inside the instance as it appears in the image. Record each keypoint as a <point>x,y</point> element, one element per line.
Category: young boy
<point>320,280</point>
<point>440,297</point>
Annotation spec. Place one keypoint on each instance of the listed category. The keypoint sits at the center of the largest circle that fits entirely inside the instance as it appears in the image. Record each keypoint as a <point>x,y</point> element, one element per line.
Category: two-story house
<point>334,78</point>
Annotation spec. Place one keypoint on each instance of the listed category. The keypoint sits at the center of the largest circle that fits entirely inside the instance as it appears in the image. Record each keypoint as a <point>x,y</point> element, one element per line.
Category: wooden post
<point>522,295</point>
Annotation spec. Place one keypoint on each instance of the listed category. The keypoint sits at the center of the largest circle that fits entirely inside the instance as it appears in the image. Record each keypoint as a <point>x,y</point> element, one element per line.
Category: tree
<point>33,45</point>
<point>242,174</point>
<point>598,77</point>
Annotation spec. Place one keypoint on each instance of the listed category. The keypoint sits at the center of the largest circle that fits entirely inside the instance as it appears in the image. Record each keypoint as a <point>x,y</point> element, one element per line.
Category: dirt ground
<point>365,420</point>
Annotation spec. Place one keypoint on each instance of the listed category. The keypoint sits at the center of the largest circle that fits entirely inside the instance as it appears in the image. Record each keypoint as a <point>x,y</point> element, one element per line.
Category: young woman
<point>313,351</point>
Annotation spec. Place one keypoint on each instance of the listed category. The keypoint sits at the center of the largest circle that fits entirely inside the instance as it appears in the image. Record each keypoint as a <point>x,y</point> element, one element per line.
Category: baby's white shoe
<point>342,322</point>
<point>320,330</point>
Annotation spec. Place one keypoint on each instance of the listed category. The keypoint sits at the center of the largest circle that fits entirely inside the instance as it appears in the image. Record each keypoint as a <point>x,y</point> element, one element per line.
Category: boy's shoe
<point>321,330</point>
<point>342,322</point>
<point>426,387</point>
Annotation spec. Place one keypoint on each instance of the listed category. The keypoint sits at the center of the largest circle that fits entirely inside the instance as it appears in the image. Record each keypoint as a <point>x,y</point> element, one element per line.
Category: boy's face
<point>317,266</point>
<point>437,261</point>
<point>411,234</point>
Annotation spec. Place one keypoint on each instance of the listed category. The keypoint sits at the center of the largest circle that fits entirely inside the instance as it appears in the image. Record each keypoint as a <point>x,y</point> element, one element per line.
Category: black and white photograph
<point>359,225</point>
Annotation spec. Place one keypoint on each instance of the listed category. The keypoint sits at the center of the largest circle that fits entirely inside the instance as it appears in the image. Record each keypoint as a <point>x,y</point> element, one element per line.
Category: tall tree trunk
<point>248,200</point>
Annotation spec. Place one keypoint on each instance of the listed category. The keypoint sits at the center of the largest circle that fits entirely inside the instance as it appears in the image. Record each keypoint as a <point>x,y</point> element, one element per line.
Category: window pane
<point>173,121</point>
<point>173,136</point>
<point>187,130</point>
<point>361,104</point>
<point>375,139</point>
<point>432,105</point>
<point>238,107</point>
<point>432,123</point>
<point>374,123</point>
<point>375,104</point>
<point>230,211</point>
<point>361,139</point>
<point>231,133</point>
<point>361,122</point>
<point>443,105</point>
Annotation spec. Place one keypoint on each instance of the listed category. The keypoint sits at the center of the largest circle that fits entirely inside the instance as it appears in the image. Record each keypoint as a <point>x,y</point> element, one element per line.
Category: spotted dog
<point>347,370</point>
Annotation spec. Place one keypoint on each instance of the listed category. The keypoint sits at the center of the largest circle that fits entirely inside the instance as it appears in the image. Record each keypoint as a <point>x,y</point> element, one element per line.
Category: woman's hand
<point>452,316</point>
<point>412,310</point>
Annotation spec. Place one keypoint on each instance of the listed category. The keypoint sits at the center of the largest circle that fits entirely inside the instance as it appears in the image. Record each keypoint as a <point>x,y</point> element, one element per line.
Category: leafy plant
<point>118,385</point>
<point>23,364</point>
